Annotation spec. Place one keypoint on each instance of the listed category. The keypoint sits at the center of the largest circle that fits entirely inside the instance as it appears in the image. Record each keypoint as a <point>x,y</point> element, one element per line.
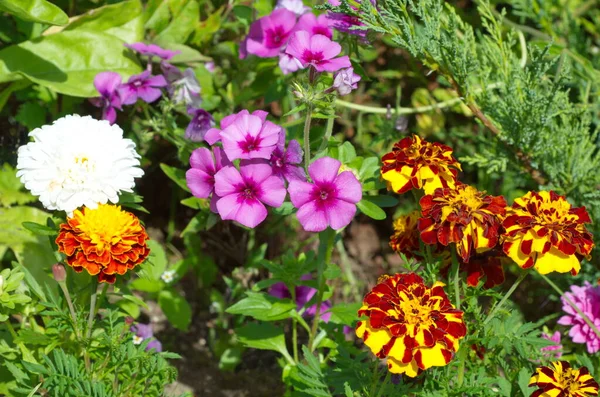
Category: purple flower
<point>201,122</point>
<point>556,348</point>
<point>243,193</point>
<point>152,50</point>
<point>200,178</point>
<point>107,84</point>
<point>249,137</point>
<point>214,134</point>
<point>303,295</point>
<point>288,64</point>
<point>330,200</point>
<point>171,73</point>
<point>317,51</point>
<point>142,86</point>
<point>587,299</point>
<point>346,23</point>
<point>143,332</point>
<point>314,25</point>
<point>285,162</point>
<point>345,80</point>
<point>186,89</point>
<point>295,6</point>
<point>269,34</point>
<point>210,66</point>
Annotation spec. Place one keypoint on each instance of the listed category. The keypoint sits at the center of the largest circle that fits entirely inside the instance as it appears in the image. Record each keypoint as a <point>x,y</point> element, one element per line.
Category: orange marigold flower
<point>544,231</point>
<point>406,238</point>
<point>560,380</point>
<point>417,164</point>
<point>414,326</point>
<point>105,241</point>
<point>464,216</point>
<point>486,266</point>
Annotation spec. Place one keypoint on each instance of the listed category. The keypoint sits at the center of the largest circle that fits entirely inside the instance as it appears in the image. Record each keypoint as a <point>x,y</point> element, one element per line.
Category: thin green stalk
<point>505,297</point>
<point>461,367</point>
<point>328,132</point>
<point>294,328</point>
<point>384,384</point>
<point>374,379</point>
<point>65,291</point>
<point>347,268</point>
<point>307,137</point>
<point>572,304</point>
<point>456,266</point>
<point>93,299</point>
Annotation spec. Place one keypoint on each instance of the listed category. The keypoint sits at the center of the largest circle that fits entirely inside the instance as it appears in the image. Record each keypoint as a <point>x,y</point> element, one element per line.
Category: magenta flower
<point>269,34</point>
<point>587,299</point>
<point>345,80</point>
<point>142,86</point>
<point>200,178</point>
<point>555,351</point>
<point>314,25</point>
<point>288,64</point>
<point>143,332</point>
<point>249,137</point>
<point>317,51</point>
<point>346,23</point>
<point>201,122</point>
<point>285,163</point>
<point>330,200</point>
<point>107,84</point>
<point>152,50</point>
<point>244,193</point>
<point>214,134</point>
<point>303,295</point>
<point>295,6</point>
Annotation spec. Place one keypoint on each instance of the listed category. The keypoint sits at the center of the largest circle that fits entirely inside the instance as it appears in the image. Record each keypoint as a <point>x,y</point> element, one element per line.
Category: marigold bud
<point>129,320</point>
<point>59,272</point>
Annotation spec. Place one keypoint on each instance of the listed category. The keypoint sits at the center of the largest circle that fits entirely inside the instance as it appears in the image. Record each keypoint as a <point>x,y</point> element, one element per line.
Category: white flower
<point>168,276</point>
<point>295,6</point>
<point>137,340</point>
<point>78,161</point>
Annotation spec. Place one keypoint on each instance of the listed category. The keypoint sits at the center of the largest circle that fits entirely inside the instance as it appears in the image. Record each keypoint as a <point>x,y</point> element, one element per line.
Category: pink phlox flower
<point>200,178</point>
<point>152,50</point>
<point>286,162</point>
<point>250,137</point>
<point>269,34</point>
<point>107,84</point>
<point>201,122</point>
<point>288,64</point>
<point>345,80</point>
<point>303,295</point>
<point>314,25</point>
<point>214,134</point>
<point>587,299</point>
<point>317,51</point>
<point>244,193</point>
<point>142,86</point>
<point>330,200</point>
<point>555,351</point>
<point>295,6</point>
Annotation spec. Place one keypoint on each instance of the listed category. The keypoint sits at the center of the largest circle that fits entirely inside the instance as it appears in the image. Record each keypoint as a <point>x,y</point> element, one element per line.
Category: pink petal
<point>107,83</point>
<point>311,218</point>
<point>565,320</point>
<point>292,172</point>
<point>320,43</point>
<point>157,81</point>
<point>212,136</point>
<point>334,64</point>
<point>109,114</point>
<point>300,192</point>
<point>294,153</point>
<point>128,94</point>
<point>270,134</point>
<point>281,17</point>
<point>259,153</point>
<point>227,180</point>
<point>221,159</point>
<point>299,42</point>
<point>213,203</point>
<point>272,191</point>
<point>228,120</point>
<point>199,182</point>
<point>348,187</point>
<point>259,113</point>
<point>202,159</point>
<point>340,213</point>
<point>255,171</point>
<point>249,213</point>
<point>324,169</point>
<point>149,94</point>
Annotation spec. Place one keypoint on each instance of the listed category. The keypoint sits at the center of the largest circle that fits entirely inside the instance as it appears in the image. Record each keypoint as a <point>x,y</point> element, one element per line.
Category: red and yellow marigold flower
<point>406,238</point>
<point>464,216</point>
<point>415,327</point>
<point>487,266</point>
<point>544,231</point>
<point>415,163</point>
<point>105,241</point>
<point>560,380</point>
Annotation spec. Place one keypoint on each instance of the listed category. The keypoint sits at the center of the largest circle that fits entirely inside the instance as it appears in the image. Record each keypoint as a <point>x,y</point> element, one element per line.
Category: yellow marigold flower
<point>105,241</point>
<point>544,231</point>
<point>406,239</point>
<point>464,216</point>
<point>414,326</point>
<point>561,380</point>
<point>415,163</point>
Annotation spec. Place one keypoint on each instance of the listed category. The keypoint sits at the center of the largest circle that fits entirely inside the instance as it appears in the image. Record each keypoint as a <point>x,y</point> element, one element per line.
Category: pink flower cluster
<point>587,299</point>
<point>243,193</point>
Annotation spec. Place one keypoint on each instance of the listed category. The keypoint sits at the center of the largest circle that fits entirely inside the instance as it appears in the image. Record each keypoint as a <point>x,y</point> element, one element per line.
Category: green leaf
<point>31,114</point>
<point>176,308</point>
<point>182,24</point>
<point>67,62</point>
<point>230,358</point>
<point>11,189</point>
<point>370,209</point>
<point>123,20</point>
<point>263,336</point>
<point>41,230</point>
<point>346,152</point>
<point>263,307</point>
<point>30,337</point>
<point>41,11</point>
<point>284,209</point>
<point>332,271</point>
<point>146,285</point>
<point>524,376</point>
<point>382,201</point>
<point>176,175</point>
<point>187,54</point>
<point>205,30</point>
<point>345,313</point>
<point>156,263</point>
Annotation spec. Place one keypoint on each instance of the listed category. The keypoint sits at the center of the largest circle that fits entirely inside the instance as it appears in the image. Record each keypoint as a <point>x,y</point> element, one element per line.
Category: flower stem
<point>456,265</point>
<point>572,304</point>
<point>294,328</point>
<point>90,322</point>
<point>65,291</point>
<point>307,136</point>
<point>384,384</point>
<point>506,296</point>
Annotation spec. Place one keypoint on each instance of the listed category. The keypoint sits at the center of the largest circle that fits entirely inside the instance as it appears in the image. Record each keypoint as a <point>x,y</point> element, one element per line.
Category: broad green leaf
<point>264,336</point>
<point>187,54</point>
<point>123,20</point>
<point>67,62</point>
<point>41,230</point>
<point>370,209</point>
<point>263,307</point>
<point>176,175</point>
<point>11,189</point>
<point>8,91</point>
<point>176,309</point>
<point>41,11</point>
<point>146,285</point>
<point>182,25</point>
<point>345,313</point>
<point>207,28</point>
<point>524,376</point>
<point>156,263</point>
<point>382,201</point>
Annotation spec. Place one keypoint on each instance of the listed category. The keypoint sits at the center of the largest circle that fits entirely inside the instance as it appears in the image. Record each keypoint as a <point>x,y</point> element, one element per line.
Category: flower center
<point>568,380</point>
<point>75,172</point>
<point>312,57</point>
<point>248,193</point>
<point>250,144</point>
<point>414,312</point>
<point>468,197</point>
<point>275,37</point>
<point>321,30</point>
<point>105,226</point>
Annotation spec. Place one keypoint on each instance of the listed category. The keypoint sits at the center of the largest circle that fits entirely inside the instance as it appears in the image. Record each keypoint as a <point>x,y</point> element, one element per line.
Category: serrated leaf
<point>11,189</point>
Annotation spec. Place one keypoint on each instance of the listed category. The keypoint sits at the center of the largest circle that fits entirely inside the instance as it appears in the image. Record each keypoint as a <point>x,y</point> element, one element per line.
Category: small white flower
<point>295,6</point>
<point>1,283</point>
<point>78,161</point>
<point>168,276</point>
<point>137,340</point>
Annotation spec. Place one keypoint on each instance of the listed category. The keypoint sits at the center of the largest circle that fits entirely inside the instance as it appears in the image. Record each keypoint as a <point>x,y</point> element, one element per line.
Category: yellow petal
<point>556,261</point>
<point>397,367</point>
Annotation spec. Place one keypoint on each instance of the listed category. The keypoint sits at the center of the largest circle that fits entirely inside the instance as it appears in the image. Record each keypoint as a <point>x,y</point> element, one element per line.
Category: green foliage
<point>35,11</point>
<point>11,296</point>
<point>11,189</point>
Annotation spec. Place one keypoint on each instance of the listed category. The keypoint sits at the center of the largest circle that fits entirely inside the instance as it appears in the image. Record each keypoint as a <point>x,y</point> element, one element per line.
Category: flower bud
<point>129,320</point>
<point>59,272</point>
